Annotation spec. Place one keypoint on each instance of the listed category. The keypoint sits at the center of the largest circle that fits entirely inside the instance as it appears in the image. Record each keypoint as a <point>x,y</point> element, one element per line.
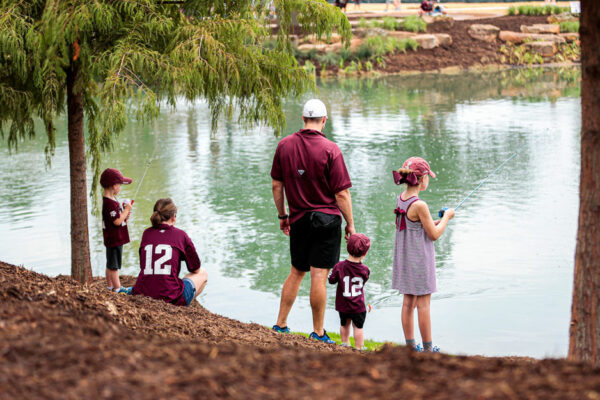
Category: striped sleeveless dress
<point>414,254</point>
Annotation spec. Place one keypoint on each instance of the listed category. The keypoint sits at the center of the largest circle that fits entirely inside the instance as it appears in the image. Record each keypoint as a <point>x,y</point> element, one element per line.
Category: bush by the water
<point>375,47</point>
<point>537,10</point>
<point>413,23</point>
<point>569,26</point>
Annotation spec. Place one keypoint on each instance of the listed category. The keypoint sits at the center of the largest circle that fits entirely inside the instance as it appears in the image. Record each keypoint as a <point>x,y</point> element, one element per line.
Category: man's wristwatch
<point>283,216</point>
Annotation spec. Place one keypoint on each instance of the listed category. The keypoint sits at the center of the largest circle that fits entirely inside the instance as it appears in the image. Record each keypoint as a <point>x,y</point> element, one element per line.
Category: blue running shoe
<point>125,290</point>
<point>418,348</point>
<point>324,338</point>
<point>279,329</point>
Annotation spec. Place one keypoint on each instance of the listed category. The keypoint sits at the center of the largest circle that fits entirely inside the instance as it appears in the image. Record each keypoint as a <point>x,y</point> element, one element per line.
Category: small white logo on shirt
<point>113,213</point>
<point>301,172</point>
<point>162,231</point>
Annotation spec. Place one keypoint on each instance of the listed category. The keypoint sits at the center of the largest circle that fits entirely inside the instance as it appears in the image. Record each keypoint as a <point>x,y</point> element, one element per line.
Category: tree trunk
<point>584,343</point>
<point>81,268</point>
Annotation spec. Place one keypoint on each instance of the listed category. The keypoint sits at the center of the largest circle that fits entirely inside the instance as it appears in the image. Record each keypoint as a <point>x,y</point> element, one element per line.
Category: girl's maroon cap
<point>358,245</point>
<point>112,176</point>
<point>419,166</point>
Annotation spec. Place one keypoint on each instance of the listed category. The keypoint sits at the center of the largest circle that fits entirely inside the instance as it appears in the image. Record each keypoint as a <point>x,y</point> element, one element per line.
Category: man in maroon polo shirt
<point>309,170</point>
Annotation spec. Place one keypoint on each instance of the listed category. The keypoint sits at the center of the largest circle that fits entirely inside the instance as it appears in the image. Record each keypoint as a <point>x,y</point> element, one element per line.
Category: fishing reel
<point>442,212</point>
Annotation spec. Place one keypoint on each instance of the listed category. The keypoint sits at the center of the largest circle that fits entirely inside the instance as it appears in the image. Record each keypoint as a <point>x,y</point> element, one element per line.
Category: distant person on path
<point>414,254</point>
<point>425,8</point>
<point>162,249</point>
<point>357,4</point>
<point>341,4</point>
<point>396,4</point>
<point>351,276</point>
<point>309,170</point>
<point>114,225</point>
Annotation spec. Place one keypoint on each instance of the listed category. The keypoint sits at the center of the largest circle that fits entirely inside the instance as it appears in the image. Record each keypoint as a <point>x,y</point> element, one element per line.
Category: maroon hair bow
<point>411,178</point>
<point>400,219</point>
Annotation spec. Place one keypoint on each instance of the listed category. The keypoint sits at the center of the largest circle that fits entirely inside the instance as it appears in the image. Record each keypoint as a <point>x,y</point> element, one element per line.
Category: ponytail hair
<point>405,175</point>
<point>164,210</point>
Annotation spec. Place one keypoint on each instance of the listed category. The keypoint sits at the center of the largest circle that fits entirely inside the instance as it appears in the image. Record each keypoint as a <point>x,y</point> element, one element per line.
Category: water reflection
<point>508,245</point>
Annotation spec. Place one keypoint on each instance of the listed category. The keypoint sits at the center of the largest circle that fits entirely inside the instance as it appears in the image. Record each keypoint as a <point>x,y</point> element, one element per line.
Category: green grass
<point>378,46</point>
<point>363,23</point>
<point>539,10</point>
<point>369,344</point>
<point>413,23</point>
<point>512,10</point>
<point>391,24</point>
<point>569,26</point>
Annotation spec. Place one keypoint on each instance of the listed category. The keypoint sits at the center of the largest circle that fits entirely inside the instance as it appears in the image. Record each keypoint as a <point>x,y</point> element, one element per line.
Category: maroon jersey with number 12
<point>161,252</point>
<point>351,278</point>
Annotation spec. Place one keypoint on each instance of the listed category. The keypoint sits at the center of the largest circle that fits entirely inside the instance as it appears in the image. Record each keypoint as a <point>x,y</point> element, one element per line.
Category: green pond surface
<point>504,265</point>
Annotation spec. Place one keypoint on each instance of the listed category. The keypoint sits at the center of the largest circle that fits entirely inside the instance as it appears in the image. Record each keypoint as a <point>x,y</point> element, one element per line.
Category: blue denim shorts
<point>188,291</point>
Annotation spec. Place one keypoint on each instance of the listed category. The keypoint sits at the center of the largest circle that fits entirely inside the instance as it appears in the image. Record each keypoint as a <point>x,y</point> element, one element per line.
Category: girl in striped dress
<point>414,254</point>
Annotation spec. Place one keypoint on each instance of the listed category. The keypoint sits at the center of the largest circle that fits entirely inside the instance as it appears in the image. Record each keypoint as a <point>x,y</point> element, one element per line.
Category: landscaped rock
<point>427,42</point>
<point>545,49</point>
<point>557,19</point>
<point>365,32</point>
<point>518,37</point>
<point>401,34</point>
<point>485,32</point>
<point>443,39</point>
<point>541,28</point>
<point>570,36</point>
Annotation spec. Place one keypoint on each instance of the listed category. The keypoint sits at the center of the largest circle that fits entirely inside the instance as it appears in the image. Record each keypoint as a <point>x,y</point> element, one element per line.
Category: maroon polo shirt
<point>113,235</point>
<point>312,170</point>
<point>351,278</point>
<point>161,252</point>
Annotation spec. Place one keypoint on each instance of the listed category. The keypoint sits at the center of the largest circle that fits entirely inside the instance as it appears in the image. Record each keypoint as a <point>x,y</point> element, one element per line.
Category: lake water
<point>504,265</point>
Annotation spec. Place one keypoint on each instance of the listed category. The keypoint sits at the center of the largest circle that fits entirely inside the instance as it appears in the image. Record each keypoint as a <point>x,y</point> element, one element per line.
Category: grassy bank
<point>371,345</point>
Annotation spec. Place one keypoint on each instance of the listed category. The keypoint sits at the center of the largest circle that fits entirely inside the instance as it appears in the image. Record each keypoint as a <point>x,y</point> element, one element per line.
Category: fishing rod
<point>143,176</point>
<point>443,210</point>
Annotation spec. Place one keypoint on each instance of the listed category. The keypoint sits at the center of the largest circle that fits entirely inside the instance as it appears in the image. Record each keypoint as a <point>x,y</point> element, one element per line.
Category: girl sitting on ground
<point>162,250</point>
<point>414,253</point>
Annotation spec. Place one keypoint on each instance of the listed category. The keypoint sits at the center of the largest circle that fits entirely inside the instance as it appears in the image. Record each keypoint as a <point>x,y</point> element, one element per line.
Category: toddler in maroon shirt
<point>351,276</point>
<point>114,225</point>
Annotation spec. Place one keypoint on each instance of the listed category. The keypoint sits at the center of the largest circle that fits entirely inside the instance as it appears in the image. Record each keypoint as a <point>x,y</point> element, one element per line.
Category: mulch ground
<point>465,52</point>
<point>59,339</point>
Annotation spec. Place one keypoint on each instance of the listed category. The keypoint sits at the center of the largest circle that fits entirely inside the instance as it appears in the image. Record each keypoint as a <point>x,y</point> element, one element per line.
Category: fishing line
<point>144,175</point>
<point>441,212</point>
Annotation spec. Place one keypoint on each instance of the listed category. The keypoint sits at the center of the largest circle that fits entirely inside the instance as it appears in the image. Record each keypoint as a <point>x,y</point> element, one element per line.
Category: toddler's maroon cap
<point>419,166</point>
<point>358,245</point>
<point>112,176</point>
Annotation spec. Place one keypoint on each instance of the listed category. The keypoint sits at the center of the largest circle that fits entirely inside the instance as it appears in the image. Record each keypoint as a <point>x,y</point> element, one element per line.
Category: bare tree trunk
<point>584,344</point>
<point>81,268</point>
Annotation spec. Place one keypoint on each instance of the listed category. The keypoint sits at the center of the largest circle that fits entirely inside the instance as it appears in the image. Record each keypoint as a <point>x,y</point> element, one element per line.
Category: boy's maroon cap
<point>419,166</point>
<point>112,176</point>
<point>358,245</point>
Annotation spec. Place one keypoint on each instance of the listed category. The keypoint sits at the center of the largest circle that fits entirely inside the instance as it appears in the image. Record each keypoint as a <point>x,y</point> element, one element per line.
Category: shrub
<point>539,10</point>
<point>309,67</point>
<point>412,44</point>
<point>391,24</point>
<point>569,26</point>
<point>374,24</point>
<point>329,58</point>
<point>363,23</point>
<point>413,23</point>
<point>512,10</point>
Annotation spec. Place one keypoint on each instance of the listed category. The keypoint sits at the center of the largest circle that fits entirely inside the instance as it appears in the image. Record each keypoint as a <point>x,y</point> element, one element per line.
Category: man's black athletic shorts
<point>358,319</point>
<point>315,240</point>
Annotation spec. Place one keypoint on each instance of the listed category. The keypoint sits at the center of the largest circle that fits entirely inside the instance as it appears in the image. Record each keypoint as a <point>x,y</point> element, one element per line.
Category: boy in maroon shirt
<point>114,225</point>
<point>351,275</point>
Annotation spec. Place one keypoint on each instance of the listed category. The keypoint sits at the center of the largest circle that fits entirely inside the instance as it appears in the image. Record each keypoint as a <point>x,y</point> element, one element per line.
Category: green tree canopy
<point>98,60</point>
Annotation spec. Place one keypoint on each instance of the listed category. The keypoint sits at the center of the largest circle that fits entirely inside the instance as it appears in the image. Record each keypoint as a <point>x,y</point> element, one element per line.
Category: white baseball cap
<point>314,108</point>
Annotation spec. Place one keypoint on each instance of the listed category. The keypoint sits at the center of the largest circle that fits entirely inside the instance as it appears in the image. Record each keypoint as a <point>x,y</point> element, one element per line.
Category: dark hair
<point>313,119</point>
<point>164,210</point>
